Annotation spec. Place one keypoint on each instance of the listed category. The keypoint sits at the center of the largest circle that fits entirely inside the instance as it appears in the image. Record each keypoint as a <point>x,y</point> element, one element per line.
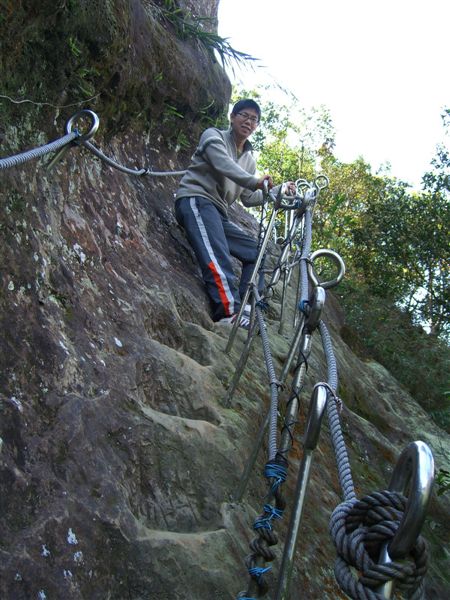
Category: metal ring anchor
<point>321,182</point>
<point>334,256</point>
<point>95,122</point>
<point>414,471</point>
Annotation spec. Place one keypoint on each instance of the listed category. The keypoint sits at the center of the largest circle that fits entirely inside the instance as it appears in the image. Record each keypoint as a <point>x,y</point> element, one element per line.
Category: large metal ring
<point>302,185</point>
<point>95,122</point>
<point>334,257</point>
<point>321,182</point>
<point>413,476</point>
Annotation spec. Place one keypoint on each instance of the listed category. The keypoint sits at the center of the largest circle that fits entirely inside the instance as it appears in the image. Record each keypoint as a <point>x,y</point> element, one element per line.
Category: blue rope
<point>265,522</point>
<point>263,305</point>
<point>274,470</point>
<point>258,572</point>
<point>302,305</point>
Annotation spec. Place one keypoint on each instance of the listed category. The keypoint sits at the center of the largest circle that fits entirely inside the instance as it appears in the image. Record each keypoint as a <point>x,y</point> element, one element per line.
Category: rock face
<point>118,456</point>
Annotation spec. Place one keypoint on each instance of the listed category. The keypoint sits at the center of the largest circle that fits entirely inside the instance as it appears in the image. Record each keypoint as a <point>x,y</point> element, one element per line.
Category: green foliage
<point>378,329</point>
<point>443,482</point>
<point>190,27</point>
<point>393,241</point>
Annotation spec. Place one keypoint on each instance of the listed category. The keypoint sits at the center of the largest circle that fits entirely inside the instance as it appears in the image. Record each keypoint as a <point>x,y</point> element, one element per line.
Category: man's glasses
<point>247,117</point>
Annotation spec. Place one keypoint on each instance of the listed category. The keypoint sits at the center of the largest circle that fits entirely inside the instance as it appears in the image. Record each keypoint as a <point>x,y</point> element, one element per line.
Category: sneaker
<point>226,320</point>
<point>247,310</point>
<point>244,321</point>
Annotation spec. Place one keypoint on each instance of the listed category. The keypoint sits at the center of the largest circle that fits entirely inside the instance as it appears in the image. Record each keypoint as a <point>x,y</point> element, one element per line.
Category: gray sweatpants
<point>215,240</point>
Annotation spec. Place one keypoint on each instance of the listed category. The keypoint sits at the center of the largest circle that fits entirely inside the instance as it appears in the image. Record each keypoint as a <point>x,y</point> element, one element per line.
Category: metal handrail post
<point>293,406</point>
<point>292,349</point>
<point>241,364</point>
<point>253,279</point>
<point>314,421</point>
<point>281,327</point>
<point>243,482</point>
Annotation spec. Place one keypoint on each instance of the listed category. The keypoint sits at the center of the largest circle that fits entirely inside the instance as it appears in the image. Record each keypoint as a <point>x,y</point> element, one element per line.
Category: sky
<point>382,69</point>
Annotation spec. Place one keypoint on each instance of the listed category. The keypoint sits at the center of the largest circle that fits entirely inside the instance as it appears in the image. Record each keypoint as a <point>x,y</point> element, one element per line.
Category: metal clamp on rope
<point>315,308</point>
<point>336,259</point>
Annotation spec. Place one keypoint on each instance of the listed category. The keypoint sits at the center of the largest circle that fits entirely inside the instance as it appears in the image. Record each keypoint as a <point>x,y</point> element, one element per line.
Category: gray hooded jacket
<point>218,174</point>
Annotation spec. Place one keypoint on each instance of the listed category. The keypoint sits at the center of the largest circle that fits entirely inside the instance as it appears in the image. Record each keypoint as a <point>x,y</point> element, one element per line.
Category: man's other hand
<point>290,189</point>
<point>260,184</point>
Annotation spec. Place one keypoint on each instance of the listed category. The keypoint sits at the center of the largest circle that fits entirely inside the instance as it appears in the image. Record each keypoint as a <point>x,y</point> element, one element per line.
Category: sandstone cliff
<point>118,458</point>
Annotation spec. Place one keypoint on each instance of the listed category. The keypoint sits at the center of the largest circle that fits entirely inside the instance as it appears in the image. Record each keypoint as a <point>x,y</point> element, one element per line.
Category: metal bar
<point>241,364</point>
<point>292,349</point>
<point>239,494</point>
<point>293,406</point>
<point>281,327</point>
<point>253,279</point>
<point>314,422</point>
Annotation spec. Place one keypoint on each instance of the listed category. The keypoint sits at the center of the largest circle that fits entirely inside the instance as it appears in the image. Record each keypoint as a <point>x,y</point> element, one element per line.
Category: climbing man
<point>222,170</point>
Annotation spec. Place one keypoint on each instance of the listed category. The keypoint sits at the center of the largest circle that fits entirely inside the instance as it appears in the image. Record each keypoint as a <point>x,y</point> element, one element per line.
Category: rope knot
<point>360,530</point>
<point>264,522</point>
<point>338,401</point>
<point>257,572</point>
<point>276,471</point>
<point>263,305</point>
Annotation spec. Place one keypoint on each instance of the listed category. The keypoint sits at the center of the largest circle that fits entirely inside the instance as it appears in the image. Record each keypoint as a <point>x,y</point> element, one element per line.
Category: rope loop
<point>331,391</point>
<point>360,529</point>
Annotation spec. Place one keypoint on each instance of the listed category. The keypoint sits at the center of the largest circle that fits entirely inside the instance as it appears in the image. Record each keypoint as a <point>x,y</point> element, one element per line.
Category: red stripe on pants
<point>221,289</point>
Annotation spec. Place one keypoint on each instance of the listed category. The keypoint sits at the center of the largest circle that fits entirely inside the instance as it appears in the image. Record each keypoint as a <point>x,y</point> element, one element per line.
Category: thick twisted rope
<point>360,530</point>
<point>273,382</point>
<point>337,439</point>
<point>275,471</point>
<point>12,161</point>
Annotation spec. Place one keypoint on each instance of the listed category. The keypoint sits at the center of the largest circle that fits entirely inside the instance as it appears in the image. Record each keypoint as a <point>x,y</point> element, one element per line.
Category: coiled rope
<point>273,382</point>
<point>359,530</point>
